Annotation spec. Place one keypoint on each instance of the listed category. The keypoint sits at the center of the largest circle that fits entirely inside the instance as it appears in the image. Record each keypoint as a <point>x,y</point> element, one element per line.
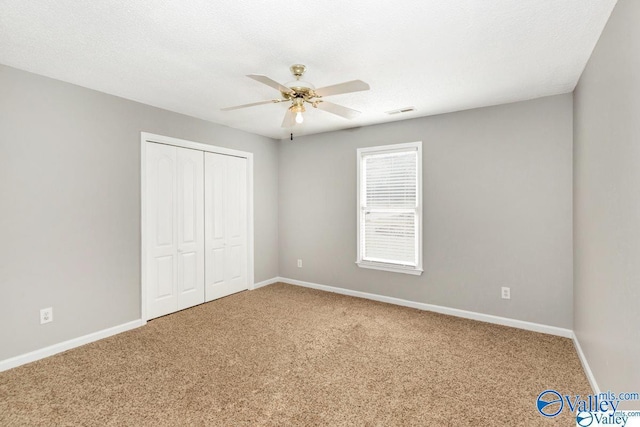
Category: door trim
<point>146,137</point>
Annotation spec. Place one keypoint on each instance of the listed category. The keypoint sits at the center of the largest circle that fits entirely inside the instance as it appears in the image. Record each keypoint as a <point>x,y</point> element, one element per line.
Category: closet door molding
<point>146,138</point>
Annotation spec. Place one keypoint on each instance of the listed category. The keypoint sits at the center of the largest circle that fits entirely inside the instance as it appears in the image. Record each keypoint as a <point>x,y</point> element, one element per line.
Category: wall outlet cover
<point>46,315</point>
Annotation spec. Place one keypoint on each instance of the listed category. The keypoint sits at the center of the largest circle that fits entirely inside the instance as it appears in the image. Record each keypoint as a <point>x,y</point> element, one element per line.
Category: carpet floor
<point>289,356</point>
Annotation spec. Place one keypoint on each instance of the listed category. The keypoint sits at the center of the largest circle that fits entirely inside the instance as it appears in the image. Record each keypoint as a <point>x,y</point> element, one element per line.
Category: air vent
<point>401,110</point>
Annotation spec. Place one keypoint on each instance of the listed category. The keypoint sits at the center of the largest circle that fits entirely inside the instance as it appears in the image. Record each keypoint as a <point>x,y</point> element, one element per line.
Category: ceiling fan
<point>299,92</point>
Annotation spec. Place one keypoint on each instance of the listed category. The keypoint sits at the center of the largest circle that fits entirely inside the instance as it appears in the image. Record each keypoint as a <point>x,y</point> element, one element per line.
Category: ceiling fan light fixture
<point>298,108</point>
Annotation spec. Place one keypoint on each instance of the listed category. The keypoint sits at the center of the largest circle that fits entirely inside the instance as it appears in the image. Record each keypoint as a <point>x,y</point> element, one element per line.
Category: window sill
<point>389,267</point>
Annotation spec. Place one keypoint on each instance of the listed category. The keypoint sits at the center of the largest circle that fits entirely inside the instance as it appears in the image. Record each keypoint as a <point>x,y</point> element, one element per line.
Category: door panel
<point>190,166</point>
<point>217,271</point>
<point>189,187</point>
<point>236,266</point>
<point>175,228</point>
<point>236,227</point>
<point>164,192</point>
<point>161,233</point>
<point>188,271</point>
<point>164,283</point>
<point>234,199</point>
<point>225,225</point>
<point>216,168</point>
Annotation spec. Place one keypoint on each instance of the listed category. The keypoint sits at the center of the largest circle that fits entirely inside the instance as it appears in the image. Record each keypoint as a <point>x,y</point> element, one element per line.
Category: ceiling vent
<point>401,110</point>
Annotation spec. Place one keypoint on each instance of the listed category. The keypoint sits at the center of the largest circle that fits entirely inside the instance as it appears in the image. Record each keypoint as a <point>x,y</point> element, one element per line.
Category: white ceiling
<point>192,56</point>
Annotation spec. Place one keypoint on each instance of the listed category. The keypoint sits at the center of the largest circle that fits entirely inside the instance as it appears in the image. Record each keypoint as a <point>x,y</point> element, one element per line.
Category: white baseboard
<point>266,283</point>
<point>67,345</point>
<point>585,365</point>
<point>521,324</point>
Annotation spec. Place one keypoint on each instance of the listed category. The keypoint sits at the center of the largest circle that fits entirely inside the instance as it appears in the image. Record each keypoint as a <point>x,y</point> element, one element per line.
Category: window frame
<point>381,149</point>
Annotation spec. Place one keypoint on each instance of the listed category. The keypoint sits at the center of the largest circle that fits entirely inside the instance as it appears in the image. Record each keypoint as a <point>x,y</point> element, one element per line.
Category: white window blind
<point>389,207</point>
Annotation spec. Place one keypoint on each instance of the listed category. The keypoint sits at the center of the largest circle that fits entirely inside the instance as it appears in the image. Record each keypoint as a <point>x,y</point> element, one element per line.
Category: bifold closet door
<point>226,249</point>
<point>175,228</point>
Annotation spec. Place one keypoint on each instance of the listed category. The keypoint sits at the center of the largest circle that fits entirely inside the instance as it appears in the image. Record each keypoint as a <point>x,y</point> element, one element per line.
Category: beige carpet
<point>290,356</point>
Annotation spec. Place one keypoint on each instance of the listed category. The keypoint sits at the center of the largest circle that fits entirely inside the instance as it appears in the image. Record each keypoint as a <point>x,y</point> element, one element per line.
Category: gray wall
<point>497,210</point>
<point>607,204</point>
<point>70,194</point>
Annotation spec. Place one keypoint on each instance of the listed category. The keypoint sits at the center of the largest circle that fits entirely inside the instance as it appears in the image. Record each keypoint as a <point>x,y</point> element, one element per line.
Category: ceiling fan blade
<point>346,87</point>
<point>289,119</point>
<point>253,104</point>
<point>269,82</point>
<point>338,110</point>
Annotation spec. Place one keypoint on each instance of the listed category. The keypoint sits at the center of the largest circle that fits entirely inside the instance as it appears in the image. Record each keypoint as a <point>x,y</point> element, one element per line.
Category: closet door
<point>190,227</point>
<point>174,229</point>
<point>225,225</point>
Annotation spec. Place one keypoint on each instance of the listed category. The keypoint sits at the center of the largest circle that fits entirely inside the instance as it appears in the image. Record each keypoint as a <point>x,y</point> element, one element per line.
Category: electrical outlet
<point>299,263</point>
<point>506,292</point>
<point>46,315</point>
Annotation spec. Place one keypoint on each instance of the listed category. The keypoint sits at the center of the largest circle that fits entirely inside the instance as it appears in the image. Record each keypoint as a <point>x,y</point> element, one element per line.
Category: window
<point>390,208</point>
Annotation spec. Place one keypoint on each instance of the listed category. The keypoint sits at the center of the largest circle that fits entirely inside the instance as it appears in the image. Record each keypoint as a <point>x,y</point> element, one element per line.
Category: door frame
<point>146,137</point>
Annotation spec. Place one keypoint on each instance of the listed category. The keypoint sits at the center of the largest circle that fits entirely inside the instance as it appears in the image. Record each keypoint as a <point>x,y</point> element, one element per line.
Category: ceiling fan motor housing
<point>300,88</point>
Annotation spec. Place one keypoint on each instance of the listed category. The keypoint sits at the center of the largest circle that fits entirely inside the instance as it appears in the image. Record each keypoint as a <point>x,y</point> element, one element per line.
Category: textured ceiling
<point>192,56</point>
